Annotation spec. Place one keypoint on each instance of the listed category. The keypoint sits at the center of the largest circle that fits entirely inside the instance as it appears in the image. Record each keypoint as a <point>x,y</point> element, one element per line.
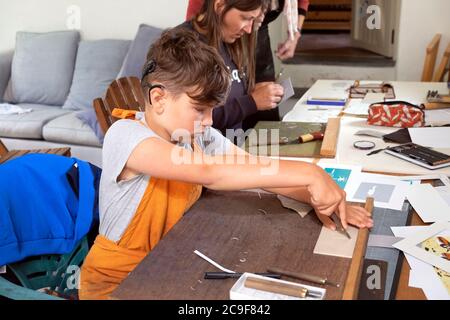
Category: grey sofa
<point>58,76</point>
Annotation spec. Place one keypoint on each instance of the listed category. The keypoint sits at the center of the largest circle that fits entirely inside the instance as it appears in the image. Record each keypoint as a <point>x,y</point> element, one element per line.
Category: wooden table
<point>18,153</point>
<point>248,239</point>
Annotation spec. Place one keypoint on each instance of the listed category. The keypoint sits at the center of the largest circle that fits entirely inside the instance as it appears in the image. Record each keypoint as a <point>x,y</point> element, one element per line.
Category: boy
<point>154,169</point>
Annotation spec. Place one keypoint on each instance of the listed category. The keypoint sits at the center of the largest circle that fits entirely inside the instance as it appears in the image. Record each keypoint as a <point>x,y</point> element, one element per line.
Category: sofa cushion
<point>90,118</point>
<point>28,125</point>
<point>42,67</point>
<point>69,129</point>
<point>97,65</point>
<point>137,54</point>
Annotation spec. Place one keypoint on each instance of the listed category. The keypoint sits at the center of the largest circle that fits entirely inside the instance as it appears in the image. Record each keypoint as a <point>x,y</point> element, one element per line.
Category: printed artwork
<point>439,246</point>
<point>340,176</point>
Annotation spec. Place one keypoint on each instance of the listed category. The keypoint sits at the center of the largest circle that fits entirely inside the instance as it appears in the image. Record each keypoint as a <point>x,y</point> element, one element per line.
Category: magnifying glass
<point>364,145</point>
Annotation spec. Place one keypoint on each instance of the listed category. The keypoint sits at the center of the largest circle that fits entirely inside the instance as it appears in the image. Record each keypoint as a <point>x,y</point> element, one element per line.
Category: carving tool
<point>304,276</point>
<point>339,227</point>
<point>281,288</point>
<point>225,275</point>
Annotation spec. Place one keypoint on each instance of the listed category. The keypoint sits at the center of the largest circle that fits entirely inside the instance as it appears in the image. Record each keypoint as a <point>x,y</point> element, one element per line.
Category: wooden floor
<point>335,49</point>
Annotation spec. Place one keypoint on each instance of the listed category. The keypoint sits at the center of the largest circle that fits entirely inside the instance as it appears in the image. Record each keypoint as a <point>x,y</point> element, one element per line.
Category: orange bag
<point>399,114</point>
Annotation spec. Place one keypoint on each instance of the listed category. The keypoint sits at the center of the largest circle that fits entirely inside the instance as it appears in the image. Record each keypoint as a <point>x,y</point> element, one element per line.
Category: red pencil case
<point>399,114</point>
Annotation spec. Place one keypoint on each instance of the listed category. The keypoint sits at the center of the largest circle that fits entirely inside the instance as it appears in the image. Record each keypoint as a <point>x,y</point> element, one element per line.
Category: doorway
<point>349,32</point>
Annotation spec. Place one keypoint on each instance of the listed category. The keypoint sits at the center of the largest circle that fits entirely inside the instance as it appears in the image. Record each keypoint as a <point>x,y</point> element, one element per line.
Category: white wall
<point>114,19</point>
<point>420,21</point>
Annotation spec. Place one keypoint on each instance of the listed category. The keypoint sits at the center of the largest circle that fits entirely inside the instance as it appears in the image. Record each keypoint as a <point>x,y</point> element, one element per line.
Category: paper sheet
<point>356,107</point>
<point>388,192</point>
<point>444,192</point>
<point>382,241</point>
<point>437,117</point>
<point>301,208</point>
<point>333,243</point>
<point>430,245</point>
<point>373,98</point>
<point>288,89</point>
<point>341,174</point>
<point>431,137</point>
<point>423,275</point>
<point>428,203</point>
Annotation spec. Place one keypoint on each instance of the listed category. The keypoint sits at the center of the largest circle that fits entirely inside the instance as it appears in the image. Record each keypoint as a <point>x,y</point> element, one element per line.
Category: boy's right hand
<point>267,95</point>
<point>326,196</point>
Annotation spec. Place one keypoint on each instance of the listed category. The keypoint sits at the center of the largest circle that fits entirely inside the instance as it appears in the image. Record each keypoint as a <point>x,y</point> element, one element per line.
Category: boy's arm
<point>158,158</point>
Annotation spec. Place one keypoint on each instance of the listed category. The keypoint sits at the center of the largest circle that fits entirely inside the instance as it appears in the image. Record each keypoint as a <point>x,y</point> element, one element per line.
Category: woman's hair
<point>182,63</point>
<point>242,50</point>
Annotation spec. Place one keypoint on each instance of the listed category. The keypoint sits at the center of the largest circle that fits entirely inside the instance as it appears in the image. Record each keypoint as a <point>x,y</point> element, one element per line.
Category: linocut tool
<point>339,227</point>
<point>314,136</point>
<point>226,275</point>
<point>304,276</point>
<point>281,288</point>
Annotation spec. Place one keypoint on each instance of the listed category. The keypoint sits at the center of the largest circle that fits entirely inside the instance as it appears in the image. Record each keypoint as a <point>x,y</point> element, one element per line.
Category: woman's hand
<point>267,95</point>
<point>356,216</point>
<point>286,50</point>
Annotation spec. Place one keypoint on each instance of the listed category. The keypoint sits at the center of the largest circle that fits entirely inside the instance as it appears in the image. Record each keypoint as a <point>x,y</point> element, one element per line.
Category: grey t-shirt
<point>120,200</point>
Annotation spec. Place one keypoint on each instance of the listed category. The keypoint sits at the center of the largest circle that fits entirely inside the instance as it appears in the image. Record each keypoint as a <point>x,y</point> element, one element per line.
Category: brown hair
<point>182,63</point>
<point>243,50</point>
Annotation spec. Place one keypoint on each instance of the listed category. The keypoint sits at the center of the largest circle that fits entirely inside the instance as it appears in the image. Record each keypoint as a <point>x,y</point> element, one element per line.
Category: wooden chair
<point>430,58</point>
<point>3,149</point>
<point>123,93</point>
<point>443,67</point>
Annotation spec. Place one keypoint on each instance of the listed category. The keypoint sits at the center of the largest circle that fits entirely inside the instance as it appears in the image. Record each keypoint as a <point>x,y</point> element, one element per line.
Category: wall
<point>115,19</point>
<point>419,22</point>
<point>119,19</point>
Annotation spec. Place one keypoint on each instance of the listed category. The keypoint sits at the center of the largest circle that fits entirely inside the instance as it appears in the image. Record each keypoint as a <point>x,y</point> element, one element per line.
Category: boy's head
<point>183,79</point>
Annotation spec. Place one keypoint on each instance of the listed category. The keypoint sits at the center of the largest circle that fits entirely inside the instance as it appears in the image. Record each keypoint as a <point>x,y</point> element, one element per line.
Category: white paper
<point>288,89</point>
<point>437,117</point>
<point>428,203</point>
<point>431,137</point>
<point>422,275</point>
<point>412,245</point>
<point>444,192</point>
<point>388,192</point>
<point>334,243</point>
<point>2,269</point>
<point>373,98</point>
<point>358,108</point>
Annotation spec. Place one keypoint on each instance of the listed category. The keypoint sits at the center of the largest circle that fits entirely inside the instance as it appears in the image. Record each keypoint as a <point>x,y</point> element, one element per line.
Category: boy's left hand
<point>356,216</point>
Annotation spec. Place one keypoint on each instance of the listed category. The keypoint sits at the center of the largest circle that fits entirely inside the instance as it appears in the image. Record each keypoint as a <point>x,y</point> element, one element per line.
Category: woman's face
<point>236,23</point>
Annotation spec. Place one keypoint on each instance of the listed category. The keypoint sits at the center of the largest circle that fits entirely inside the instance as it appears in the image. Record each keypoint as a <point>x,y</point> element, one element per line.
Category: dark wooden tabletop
<point>259,235</point>
<point>9,155</point>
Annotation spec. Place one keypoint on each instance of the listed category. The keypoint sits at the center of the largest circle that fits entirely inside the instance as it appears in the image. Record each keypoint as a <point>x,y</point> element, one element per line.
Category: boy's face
<point>181,112</point>
<point>236,23</point>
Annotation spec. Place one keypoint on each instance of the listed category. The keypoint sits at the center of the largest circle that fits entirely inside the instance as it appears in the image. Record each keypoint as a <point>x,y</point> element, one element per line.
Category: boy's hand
<point>356,216</point>
<point>326,196</point>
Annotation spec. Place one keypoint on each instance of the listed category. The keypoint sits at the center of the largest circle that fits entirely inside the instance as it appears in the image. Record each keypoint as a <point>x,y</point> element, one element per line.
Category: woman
<point>229,26</point>
<point>265,70</point>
